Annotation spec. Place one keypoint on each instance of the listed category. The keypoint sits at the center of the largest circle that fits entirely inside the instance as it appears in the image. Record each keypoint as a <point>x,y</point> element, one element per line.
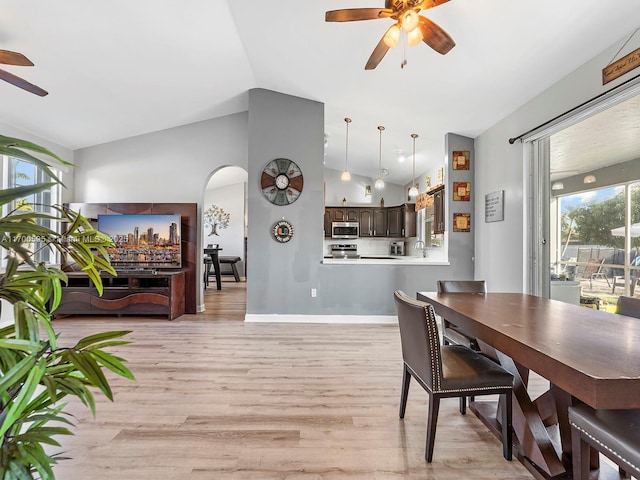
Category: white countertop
<point>384,260</point>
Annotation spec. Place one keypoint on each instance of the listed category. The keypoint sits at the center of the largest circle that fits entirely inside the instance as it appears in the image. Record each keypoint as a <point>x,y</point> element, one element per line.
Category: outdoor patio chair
<point>594,270</point>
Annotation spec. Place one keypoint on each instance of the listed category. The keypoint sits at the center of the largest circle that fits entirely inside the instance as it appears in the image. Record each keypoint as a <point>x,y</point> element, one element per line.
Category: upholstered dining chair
<point>446,371</point>
<point>628,306</point>
<point>452,334</point>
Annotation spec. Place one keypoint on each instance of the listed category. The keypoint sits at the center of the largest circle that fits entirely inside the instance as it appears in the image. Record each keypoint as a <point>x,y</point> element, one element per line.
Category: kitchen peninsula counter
<point>384,260</point>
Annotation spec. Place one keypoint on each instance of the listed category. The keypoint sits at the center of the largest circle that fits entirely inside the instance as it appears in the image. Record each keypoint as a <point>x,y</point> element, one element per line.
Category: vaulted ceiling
<point>122,68</point>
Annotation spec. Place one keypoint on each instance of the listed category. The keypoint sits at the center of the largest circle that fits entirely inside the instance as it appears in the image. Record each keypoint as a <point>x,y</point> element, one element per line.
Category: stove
<point>344,250</point>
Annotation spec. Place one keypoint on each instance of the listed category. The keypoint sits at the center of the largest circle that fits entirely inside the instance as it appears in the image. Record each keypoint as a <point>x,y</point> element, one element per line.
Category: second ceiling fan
<point>405,13</point>
<point>14,58</point>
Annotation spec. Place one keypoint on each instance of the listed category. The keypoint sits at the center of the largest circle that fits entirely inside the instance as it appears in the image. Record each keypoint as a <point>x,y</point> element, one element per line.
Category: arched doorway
<point>225,195</point>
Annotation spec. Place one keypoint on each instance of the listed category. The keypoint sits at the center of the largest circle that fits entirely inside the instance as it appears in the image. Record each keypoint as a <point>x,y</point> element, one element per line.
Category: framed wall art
<point>461,191</point>
<point>461,160</point>
<point>461,222</point>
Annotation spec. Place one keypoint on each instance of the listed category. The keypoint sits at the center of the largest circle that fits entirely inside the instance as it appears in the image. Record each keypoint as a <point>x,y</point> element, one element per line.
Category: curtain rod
<point>519,137</point>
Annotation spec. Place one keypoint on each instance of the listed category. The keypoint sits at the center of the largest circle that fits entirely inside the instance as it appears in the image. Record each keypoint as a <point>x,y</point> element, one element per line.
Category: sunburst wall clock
<point>281,181</point>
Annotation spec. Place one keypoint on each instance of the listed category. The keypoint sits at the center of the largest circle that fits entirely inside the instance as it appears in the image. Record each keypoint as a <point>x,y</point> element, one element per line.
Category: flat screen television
<point>143,241</point>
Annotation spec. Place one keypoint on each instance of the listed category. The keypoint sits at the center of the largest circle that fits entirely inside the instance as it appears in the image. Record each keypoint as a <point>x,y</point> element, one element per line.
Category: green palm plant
<point>36,373</point>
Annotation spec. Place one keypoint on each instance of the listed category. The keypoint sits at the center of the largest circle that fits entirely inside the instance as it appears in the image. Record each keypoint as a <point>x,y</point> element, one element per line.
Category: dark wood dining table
<point>588,356</point>
<point>214,263</point>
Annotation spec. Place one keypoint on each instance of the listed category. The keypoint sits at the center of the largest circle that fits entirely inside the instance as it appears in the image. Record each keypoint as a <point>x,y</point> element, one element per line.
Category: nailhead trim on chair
<point>413,373</point>
<point>436,361</point>
<point>606,447</point>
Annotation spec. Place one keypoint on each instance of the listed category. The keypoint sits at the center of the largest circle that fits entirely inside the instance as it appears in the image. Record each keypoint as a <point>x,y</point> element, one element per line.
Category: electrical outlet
<point>314,292</point>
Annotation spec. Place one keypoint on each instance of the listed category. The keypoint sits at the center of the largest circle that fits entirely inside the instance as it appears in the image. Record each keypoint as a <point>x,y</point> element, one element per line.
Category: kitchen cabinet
<point>366,222</point>
<point>380,224</point>
<point>344,214</point>
<point>438,209</point>
<point>373,222</point>
<point>396,222</point>
<point>339,214</point>
<point>328,218</point>
<point>401,221</point>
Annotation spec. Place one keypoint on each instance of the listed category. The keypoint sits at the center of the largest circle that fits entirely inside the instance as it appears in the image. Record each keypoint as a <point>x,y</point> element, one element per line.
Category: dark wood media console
<point>130,293</point>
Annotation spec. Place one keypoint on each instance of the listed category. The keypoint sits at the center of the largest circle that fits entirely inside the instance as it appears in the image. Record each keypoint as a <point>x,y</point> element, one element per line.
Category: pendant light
<point>346,176</point>
<point>379,182</point>
<point>413,191</point>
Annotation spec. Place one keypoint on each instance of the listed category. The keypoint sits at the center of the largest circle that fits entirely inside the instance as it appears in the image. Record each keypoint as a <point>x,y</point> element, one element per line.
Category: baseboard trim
<point>200,308</point>
<point>275,318</point>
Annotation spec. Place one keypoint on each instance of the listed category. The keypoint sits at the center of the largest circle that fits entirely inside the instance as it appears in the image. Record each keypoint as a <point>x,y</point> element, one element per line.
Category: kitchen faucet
<point>420,246</point>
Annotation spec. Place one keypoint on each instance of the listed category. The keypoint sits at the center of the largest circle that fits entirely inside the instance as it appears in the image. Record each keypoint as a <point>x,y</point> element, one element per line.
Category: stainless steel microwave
<point>345,230</point>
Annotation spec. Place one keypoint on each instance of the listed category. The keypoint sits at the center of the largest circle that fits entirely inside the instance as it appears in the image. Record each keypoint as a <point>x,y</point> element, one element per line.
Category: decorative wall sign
<point>283,231</point>
<point>461,222</point>
<point>620,67</point>
<point>461,160</point>
<point>461,191</point>
<point>494,207</point>
<point>281,181</point>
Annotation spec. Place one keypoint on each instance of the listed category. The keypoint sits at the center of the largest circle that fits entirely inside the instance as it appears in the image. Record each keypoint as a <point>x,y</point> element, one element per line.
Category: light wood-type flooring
<point>218,399</point>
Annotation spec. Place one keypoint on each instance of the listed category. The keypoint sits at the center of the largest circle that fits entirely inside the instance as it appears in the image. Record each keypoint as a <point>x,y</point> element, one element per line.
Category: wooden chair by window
<point>447,370</point>
<point>594,270</point>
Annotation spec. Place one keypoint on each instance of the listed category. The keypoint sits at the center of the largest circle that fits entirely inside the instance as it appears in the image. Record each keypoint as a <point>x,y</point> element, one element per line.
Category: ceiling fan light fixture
<point>410,20</point>
<point>346,176</point>
<point>379,183</point>
<point>414,37</point>
<point>392,36</point>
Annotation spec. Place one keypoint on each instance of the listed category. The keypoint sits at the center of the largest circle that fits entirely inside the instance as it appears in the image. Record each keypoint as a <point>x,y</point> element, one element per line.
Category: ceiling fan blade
<point>354,14</point>
<point>378,54</point>
<point>14,58</point>
<point>435,37</point>
<point>427,4</point>
<point>22,83</point>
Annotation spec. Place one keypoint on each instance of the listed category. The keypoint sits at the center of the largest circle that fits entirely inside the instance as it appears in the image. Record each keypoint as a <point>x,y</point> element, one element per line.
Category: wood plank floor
<point>216,398</point>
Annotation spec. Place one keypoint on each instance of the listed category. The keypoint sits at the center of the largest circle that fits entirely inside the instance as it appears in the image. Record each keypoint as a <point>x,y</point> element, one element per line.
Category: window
<point>16,173</point>
<point>590,244</point>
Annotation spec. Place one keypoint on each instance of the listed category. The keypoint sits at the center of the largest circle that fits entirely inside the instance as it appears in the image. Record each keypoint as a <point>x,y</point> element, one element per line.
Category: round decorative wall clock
<point>281,181</point>
<point>283,231</point>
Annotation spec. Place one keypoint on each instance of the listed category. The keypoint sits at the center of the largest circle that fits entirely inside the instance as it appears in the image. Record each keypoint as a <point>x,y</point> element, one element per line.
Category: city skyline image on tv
<point>143,240</point>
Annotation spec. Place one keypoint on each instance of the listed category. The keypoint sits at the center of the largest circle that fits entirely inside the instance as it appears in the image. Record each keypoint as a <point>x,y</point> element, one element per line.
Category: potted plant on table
<point>36,372</point>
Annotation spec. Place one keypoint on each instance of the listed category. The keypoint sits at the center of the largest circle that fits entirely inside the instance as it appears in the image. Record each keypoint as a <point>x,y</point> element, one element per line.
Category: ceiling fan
<point>14,58</point>
<point>405,13</point>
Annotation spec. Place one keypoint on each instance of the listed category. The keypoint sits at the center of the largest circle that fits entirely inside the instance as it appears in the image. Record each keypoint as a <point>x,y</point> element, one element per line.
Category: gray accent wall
<point>280,276</point>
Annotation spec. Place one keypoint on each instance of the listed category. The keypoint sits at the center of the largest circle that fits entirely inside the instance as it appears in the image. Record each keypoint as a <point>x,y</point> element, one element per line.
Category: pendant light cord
<point>346,145</point>
<point>380,128</point>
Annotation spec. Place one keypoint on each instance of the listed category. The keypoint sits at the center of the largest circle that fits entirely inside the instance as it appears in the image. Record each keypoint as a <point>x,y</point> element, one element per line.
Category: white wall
<point>171,165</point>
<point>353,191</point>
<point>501,246</point>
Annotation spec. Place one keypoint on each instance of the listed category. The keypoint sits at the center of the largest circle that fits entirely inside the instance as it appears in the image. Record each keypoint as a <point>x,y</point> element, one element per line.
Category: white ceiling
<point>608,138</point>
<point>122,68</point>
